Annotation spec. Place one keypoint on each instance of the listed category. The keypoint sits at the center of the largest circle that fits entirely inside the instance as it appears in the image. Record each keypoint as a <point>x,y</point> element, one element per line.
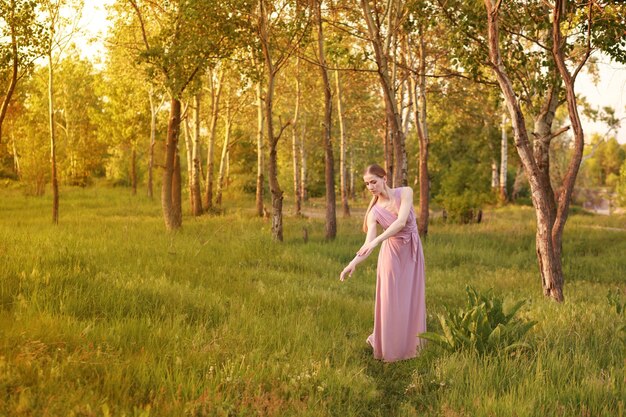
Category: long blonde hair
<point>379,171</point>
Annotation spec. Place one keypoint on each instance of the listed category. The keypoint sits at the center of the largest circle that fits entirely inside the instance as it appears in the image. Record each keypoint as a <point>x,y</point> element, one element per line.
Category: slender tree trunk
<point>342,152</point>
<point>495,177</point>
<point>275,190</point>
<point>221,175</point>
<point>153,117</point>
<point>188,152</point>
<point>420,115</point>
<point>215,99</point>
<point>303,166</point>
<point>16,160</point>
<point>260,149</point>
<point>170,189</point>
<point>424,139</point>
<point>177,207</point>
<point>196,193</point>
<point>277,193</point>
<point>352,191</point>
<point>133,169</point>
<point>331,217</point>
<point>503,161</point>
<point>294,146</point>
<point>53,159</point>
<point>13,82</point>
<point>387,149</point>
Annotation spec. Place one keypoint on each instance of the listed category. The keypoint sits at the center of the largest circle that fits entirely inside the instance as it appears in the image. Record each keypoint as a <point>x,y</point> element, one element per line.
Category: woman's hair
<point>375,169</point>
<point>379,171</point>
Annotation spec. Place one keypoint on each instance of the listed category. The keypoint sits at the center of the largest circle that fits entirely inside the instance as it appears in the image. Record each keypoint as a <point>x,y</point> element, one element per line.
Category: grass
<point>108,315</point>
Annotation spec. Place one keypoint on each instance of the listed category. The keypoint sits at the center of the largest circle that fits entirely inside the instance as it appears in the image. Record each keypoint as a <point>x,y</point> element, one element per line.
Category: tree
<point>279,35</point>
<point>383,25</point>
<point>25,35</point>
<point>216,83</point>
<point>551,212</point>
<point>179,39</point>
<point>331,217</point>
<point>60,32</point>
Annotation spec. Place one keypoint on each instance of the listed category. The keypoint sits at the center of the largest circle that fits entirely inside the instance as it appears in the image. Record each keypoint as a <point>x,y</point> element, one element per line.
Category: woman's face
<point>374,183</point>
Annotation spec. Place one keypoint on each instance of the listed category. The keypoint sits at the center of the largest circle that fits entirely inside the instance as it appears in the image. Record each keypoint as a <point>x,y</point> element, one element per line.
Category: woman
<point>400,312</point>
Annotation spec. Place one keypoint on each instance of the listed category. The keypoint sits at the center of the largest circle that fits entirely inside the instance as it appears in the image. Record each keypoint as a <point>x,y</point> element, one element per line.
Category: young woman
<point>400,311</point>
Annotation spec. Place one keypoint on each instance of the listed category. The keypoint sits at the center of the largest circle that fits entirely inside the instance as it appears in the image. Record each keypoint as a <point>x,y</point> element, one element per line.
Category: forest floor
<point>107,314</point>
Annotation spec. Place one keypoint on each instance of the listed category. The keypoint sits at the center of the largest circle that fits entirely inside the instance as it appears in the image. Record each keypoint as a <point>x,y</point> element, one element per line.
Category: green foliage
<point>484,326</point>
<point>464,144</point>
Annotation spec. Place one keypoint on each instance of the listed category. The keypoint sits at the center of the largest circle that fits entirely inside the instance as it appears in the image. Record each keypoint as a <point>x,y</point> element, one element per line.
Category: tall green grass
<point>108,315</point>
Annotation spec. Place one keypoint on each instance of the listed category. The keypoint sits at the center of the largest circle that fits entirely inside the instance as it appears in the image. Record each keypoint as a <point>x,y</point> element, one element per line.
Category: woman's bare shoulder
<point>405,191</point>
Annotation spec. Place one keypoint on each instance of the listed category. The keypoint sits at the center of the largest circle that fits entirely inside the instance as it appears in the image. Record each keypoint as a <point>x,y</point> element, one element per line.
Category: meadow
<point>107,314</point>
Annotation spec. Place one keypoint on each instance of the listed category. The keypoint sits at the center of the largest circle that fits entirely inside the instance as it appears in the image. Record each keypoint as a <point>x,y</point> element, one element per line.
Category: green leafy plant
<point>484,326</point>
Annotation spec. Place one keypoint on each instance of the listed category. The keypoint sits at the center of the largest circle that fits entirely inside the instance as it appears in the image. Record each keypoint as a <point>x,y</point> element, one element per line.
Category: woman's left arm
<point>406,202</point>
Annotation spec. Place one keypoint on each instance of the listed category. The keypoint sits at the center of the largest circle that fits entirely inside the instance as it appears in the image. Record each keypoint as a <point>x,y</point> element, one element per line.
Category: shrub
<point>483,326</point>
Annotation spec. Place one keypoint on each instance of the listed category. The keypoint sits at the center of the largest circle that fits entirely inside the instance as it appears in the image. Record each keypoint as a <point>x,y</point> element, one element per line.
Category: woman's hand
<point>348,270</point>
<point>367,248</point>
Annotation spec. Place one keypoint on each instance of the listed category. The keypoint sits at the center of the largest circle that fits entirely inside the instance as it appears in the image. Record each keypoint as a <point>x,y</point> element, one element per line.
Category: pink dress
<point>400,310</point>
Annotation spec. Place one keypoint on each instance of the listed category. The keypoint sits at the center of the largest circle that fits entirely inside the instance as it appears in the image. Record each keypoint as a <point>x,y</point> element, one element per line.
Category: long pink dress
<point>400,310</point>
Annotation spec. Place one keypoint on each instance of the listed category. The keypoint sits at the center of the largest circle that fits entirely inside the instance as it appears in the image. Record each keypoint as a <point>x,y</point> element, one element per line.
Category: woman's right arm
<point>371,235</point>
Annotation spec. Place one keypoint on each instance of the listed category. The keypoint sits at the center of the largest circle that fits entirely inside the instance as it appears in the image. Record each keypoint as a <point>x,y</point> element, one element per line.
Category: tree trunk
<point>170,189</point>
<point>331,218</point>
<point>548,248</point>
<point>387,150</point>
<point>504,149</point>
<point>294,146</point>
<point>195,191</point>
<point>275,190</point>
<point>14,68</point>
<point>220,177</point>
<point>342,153</point>
<point>303,166</point>
<point>565,193</point>
<point>260,149</point>
<point>495,177</point>
<point>53,160</point>
<point>215,99</point>
<point>177,207</point>
<point>16,160</point>
<point>541,149</point>
<point>420,114</point>
<point>424,139</point>
<point>352,191</point>
<point>133,168</point>
<point>187,136</point>
<point>153,116</point>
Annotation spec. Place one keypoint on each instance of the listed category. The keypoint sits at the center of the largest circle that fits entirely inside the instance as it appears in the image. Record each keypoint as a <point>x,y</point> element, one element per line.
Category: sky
<point>610,90</point>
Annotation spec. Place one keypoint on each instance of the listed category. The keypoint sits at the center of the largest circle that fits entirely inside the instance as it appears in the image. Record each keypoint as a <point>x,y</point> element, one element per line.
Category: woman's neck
<point>385,195</point>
